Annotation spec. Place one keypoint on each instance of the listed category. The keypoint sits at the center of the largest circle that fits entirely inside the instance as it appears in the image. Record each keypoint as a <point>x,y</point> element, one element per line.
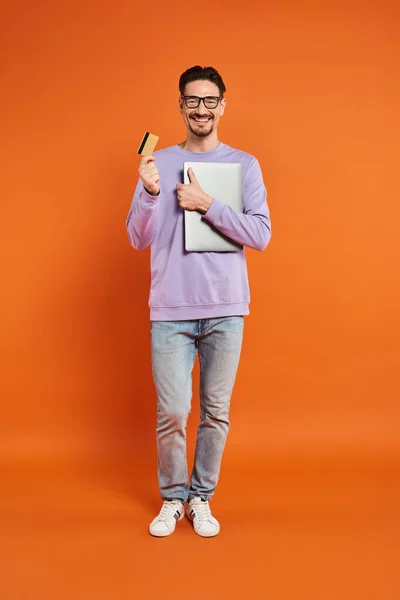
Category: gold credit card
<point>148,143</point>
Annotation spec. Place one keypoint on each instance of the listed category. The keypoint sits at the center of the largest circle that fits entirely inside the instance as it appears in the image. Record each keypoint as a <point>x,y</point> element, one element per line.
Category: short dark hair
<point>206,73</point>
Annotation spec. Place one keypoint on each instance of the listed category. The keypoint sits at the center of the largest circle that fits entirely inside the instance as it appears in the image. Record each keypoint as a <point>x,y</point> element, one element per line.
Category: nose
<point>201,109</point>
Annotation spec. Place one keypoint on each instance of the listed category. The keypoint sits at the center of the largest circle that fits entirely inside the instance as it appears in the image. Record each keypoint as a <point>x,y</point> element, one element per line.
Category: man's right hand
<point>148,173</point>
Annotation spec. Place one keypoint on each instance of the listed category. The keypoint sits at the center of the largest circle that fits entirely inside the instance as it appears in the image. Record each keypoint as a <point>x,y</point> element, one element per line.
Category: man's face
<point>201,121</point>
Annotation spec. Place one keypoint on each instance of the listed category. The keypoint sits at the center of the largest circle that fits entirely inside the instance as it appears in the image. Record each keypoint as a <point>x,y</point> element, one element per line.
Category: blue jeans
<point>173,346</point>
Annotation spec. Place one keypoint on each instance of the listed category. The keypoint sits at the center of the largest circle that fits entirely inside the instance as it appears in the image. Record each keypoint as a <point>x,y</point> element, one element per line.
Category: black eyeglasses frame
<point>200,99</point>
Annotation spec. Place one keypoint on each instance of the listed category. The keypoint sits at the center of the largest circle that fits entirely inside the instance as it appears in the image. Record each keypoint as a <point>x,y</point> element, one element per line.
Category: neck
<point>195,144</point>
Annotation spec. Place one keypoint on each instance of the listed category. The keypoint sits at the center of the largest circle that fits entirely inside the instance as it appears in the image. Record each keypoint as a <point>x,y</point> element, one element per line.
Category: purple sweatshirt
<point>198,285</point>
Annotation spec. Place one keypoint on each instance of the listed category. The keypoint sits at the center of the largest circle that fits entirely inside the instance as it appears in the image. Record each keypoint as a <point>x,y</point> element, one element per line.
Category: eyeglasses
<point>194,101</point>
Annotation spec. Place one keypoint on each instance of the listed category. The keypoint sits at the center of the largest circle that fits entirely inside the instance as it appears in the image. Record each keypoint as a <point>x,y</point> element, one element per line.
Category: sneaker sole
<point>206,535</point>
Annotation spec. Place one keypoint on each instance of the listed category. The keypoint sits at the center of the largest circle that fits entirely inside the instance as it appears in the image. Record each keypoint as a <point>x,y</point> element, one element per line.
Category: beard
<point>202,131</point>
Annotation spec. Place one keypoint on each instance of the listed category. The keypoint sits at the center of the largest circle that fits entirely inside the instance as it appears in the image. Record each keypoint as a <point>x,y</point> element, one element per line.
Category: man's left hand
<point>191,196</point>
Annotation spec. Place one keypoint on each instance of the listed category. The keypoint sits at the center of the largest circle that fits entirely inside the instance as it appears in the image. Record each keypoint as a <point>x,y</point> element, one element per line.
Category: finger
<point>191,174</point>
<point>147,159</point>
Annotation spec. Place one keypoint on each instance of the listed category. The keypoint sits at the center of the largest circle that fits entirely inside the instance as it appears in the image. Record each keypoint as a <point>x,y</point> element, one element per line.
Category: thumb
<point>192,176</point>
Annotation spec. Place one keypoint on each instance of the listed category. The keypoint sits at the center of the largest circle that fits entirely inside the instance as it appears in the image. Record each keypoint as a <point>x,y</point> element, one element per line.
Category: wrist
<point>151,192</point>
<point>205,203</point>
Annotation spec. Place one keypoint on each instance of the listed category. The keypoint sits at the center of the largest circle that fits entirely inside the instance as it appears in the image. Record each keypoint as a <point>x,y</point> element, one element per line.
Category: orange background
<point>313,92</point>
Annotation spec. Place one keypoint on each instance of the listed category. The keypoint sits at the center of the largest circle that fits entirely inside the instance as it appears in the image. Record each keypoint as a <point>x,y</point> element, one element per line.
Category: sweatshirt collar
<point>209,153</point>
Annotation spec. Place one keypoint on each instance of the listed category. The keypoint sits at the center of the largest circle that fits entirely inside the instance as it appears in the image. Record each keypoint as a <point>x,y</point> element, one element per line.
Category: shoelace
<point>202,510</point>
<point>168,509</point>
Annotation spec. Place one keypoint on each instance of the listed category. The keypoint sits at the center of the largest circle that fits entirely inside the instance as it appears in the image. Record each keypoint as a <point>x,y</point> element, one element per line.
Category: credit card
<point>148,144</point>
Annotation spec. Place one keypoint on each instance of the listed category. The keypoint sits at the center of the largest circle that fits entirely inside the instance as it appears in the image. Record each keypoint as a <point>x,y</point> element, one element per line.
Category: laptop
<point>222,181</point>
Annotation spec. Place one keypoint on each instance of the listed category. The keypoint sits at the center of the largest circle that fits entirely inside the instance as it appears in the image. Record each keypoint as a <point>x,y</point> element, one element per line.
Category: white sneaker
<point>165,522</point>
<point>204,523</point>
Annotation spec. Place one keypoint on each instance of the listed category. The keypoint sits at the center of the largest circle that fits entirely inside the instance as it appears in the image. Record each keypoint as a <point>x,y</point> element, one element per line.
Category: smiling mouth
<point>203,120</point>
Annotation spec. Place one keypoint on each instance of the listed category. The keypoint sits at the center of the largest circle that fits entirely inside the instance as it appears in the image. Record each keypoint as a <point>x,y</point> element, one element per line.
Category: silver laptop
<point>222,181</point>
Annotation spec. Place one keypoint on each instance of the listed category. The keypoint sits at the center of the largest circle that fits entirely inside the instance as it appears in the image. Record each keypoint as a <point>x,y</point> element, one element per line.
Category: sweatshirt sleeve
<point>252,227</point>
<point>141,219</point>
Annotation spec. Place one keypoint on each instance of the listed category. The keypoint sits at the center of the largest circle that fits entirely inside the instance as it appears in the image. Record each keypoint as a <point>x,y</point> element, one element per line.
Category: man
<point>198,300</point>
